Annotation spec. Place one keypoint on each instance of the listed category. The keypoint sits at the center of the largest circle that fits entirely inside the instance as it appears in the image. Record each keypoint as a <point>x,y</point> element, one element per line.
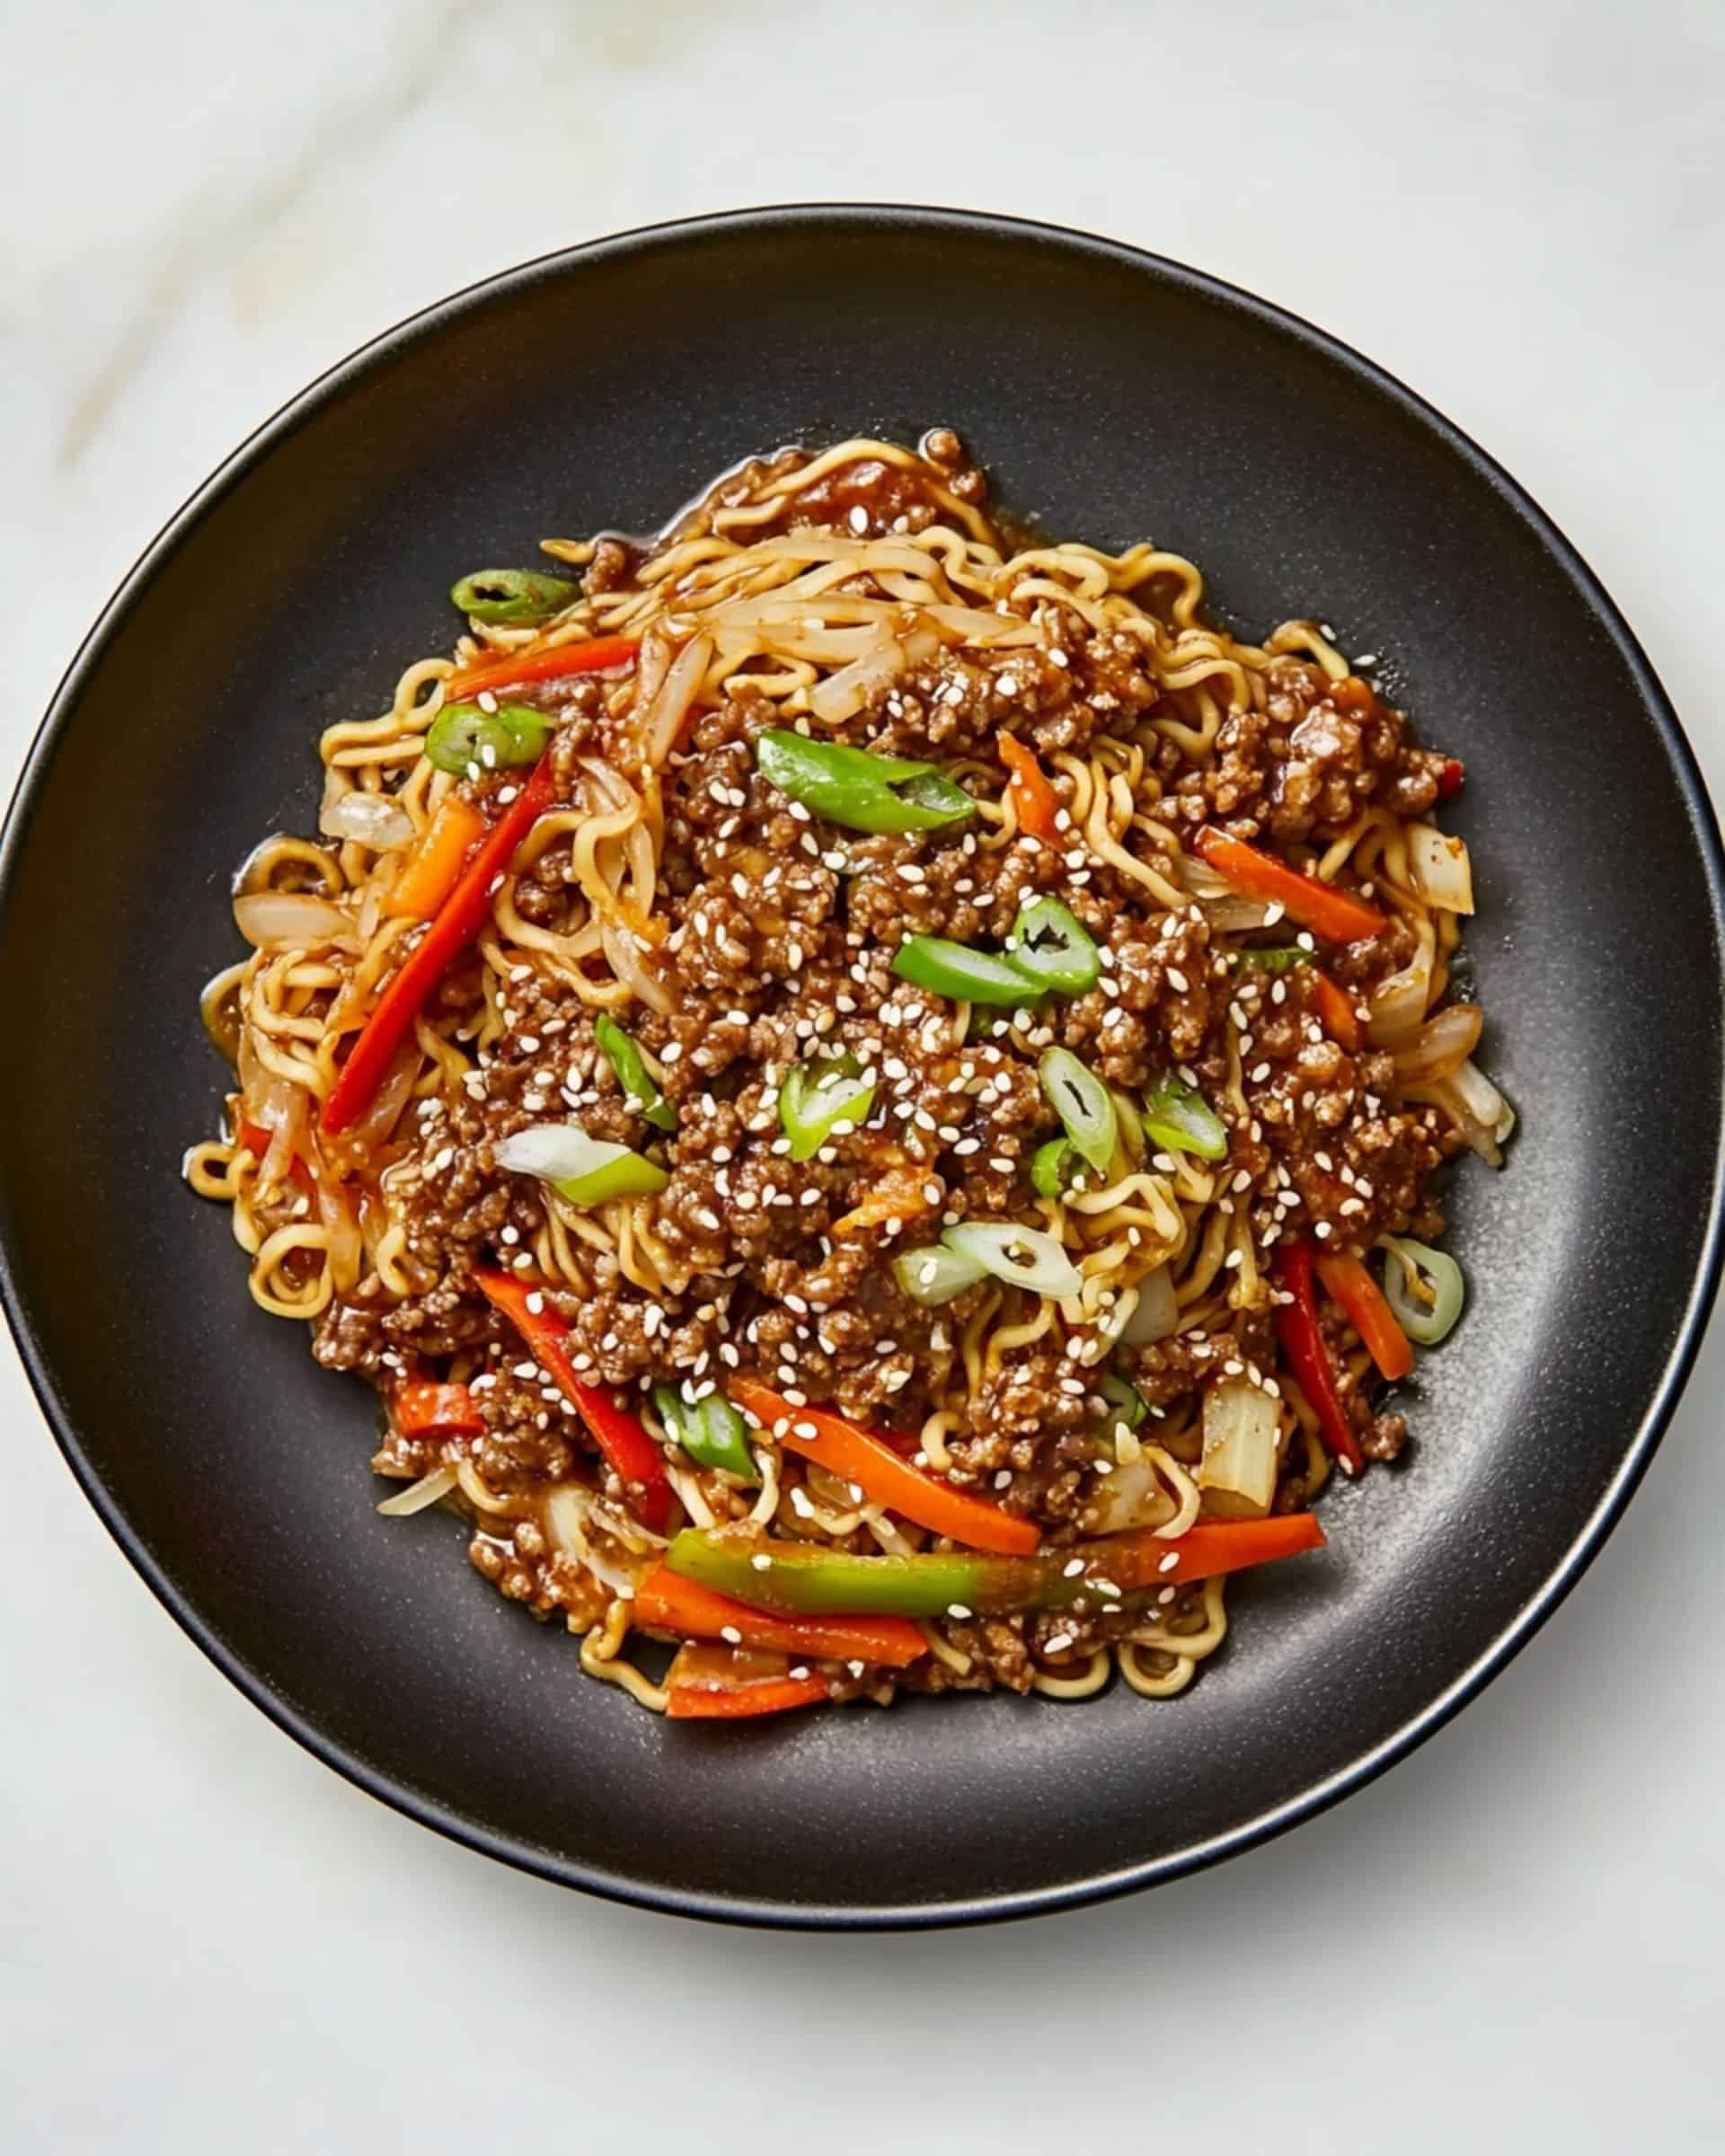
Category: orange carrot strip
<point>859,1456</point>
<point>1033,798</point>
<point>1345,1279</point>
<point>435,860</point>
<point>1336,1012</point>
<point>701,1703</point>
<point>1313,904</point>
<point>665,1601</point>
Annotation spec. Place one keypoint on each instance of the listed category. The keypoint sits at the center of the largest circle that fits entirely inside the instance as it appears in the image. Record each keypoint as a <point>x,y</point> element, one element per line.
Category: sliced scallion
<point>1083,1103</point>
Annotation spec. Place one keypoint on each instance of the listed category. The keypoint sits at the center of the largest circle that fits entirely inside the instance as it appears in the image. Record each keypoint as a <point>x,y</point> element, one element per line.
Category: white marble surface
<point>208,1940</point>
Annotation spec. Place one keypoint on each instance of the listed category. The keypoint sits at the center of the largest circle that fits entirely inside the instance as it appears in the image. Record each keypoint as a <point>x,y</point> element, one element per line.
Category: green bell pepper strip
<point>815,1096</point>
<point>1179,1120</point>
<point>971,976</point>
<point>803,1580</point>
<point>463,736</point>
<point>709,1430</point>
<point>503,597</point>
<point>1083,1103</point>
<point>626,1175</point>
<point>860,791</point>
<point>625,1059</point>
<point>1049,944</point>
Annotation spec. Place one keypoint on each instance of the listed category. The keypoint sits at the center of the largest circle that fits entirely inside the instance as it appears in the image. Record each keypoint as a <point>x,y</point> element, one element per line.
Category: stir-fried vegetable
<point>1439,864</point>
<point>280,920</point>
<point>467,737</point>
<point>1124,1401</point>
<point>629,1451</point>
<point>967,976</point>
<point>709,1430</point>
<point>856,788</point>
<point>434,862</point>
<point>501,597</point>
<point>1347,1282</point>
<point>544,662</point>
<point>857,1455</point>
<point>666,1602</point>
<point>1276,958</point>
<point>1056,1168</point>
<point>1237,1470</point>
<point>1084,1104</point>
<point>1178,1119</point>
<point>1026,1258</point>
<point>816,1097</point>
<point>458,921</point>
<point>805,1580</point>
<point>1035,803</point>
<point>1300,1333</point>
<point>1313,904</point>
<point>935,1274</point>
<point>626,1060</point>
<point>587,1171</point>
<point>1425,1288</point>
<point>705,1685</point>
<point>1336,1012</point>
<point>1050,945</point>
<point>1156,1312</point>
<point>423,1409</point>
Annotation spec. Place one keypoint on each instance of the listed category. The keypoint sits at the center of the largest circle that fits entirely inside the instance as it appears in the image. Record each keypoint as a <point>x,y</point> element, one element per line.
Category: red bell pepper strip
<point>1347,1281</point>
<point>666,1602</point>
<point>458,921</point>
<point>1336,1012</point>
<point>1033,798</point>
<point>551,662</point>
<point>1449,780</point>
<point>423,1409</point>
<point>1307,899</point>
<point>1301,1335</point>
<point>859,1456</point>
<point>628,1450</point>
<point>775,1695</point>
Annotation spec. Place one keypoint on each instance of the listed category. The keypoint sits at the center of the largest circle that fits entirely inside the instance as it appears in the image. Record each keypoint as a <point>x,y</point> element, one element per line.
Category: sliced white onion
<point>1234,915</point>
<point>1157,1314</point>
<point>1237,1472</point>
<point>566,1515</point>
<point>1478,1110</point>
<point>1027,1258</point>
<point>418,1495</point>
<point>345,1244</point>
<point>1445,1043</point>
<point>1133,1496</point>
<point>1440,869</point>
<point>272,1104</point>
<point>275,920</point>
<point>844,693</point>
<point>556,1152</point>
<point>662,721</point>
<point>374,1126</point>
<point>369,819</point>
<point>1398,1007</point>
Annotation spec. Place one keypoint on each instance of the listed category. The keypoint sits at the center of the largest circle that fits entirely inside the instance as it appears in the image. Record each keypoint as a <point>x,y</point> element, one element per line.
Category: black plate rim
<point>1638,1448</point>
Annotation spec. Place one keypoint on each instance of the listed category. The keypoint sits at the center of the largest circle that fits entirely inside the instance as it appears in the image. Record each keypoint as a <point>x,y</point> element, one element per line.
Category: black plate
<point>1115,396</point>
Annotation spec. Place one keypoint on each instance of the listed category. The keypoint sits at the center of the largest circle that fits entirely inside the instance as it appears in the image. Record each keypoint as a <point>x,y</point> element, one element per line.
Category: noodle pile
<point>817,616</point>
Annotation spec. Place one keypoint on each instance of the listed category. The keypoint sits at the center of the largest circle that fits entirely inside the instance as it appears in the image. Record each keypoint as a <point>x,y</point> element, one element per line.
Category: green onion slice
<point>816,1097</point>
<point>587,1171</point>
<point>1425,1288</point>
<point>709,1430</point>
<point>507,596</point>
<point>1051,946</point>
<point>935,1274</point>
<point>1084,1104</point>
<point>954,970</point>
<point>626,1060</point>
<point>1126,1402</point>
<point>463,736</point>
<point>1027,1258</point>
<point>1178,1119</point>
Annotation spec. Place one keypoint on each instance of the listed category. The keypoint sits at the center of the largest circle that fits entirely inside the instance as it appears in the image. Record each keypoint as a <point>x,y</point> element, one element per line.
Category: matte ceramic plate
<point>1114,397</point>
